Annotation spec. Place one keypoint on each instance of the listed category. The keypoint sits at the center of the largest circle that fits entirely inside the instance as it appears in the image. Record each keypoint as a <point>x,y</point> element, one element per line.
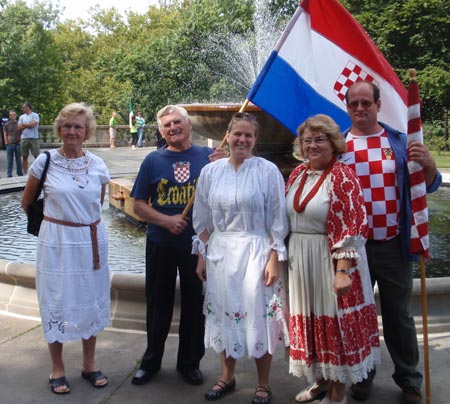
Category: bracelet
<point>341,271</point>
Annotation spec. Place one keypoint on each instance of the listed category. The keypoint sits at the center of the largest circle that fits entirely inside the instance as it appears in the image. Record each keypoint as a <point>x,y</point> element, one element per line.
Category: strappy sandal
<point>262,399</point>
<point>215,394</point>
<point>94,377</point>
<point>59,382</point>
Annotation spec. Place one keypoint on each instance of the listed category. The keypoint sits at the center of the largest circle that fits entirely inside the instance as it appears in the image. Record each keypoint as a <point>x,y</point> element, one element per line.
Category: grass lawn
<point>442,159</point>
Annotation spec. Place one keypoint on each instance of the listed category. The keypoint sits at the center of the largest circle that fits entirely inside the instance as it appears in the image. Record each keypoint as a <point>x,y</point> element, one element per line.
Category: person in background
<point>378,154</point>
<point>11,136</point>
<point>113,130</point>
<point>72,272</point>
<point>239,217</point>
<point>28,126</point>
<point>166,180</point>
<point>160,141</point>
<point>140,121</point>
<point>333,318</point>
<point>133,131</point>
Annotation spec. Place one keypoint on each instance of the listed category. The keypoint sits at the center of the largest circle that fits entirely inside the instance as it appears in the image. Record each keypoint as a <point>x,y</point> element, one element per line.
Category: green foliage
<point>161,55</point>
<point>412,33</point>
<point>30,68</point>
<point>433,137</point>
<point>284,8</point>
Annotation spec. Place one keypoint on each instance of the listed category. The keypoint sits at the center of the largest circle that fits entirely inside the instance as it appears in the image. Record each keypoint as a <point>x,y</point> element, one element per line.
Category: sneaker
<point>411,395</point>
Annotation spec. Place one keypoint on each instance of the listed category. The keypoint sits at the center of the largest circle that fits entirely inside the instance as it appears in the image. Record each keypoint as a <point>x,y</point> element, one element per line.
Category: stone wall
<point>47,138</point>
<point>18,296</point>
<point>100,139</point>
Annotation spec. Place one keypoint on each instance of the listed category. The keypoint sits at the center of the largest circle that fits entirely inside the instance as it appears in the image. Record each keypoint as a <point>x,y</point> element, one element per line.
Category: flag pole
<point>423,287</point>
<point>425,330</point>
<point>222,145</point>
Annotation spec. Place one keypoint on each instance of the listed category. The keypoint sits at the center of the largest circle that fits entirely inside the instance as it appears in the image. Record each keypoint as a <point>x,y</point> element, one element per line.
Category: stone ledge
<point>18,296</point>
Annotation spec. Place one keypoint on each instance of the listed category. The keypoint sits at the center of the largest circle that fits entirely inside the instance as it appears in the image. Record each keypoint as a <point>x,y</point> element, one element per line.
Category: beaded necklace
<point>79,175</point>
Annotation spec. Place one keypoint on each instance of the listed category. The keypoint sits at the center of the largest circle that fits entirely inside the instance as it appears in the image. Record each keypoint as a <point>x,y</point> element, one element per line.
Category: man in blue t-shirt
<point>29,138</point>
<point>165,182</point>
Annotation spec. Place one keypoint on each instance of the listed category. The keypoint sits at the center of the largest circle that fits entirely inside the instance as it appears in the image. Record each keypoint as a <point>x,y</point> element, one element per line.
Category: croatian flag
<point>420,242</point>
<point>321,53</point>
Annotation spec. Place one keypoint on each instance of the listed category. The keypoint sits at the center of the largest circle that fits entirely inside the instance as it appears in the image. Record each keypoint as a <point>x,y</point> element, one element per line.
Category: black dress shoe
<point>214,394</point>
<point>142,376</point>
<point>192,376</point>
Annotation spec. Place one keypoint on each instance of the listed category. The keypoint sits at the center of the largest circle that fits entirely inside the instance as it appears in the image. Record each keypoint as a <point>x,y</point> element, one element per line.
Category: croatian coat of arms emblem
<point>351,74</point>
<point>181,171</point>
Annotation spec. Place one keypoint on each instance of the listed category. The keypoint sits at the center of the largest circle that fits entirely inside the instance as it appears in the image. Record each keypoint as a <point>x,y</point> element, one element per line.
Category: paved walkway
<point>25,365</point>
<point>120,161</point>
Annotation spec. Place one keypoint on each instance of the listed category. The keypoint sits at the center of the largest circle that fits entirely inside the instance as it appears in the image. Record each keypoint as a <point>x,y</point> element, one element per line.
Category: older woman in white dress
<point>239,217</point>
<point>72,272</point>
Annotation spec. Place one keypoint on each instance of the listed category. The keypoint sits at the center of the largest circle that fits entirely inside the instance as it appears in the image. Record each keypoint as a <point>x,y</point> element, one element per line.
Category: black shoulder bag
<point>35,211</point>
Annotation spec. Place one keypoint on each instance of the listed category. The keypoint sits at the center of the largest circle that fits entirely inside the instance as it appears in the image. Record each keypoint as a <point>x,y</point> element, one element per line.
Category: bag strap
<point>44,174</point>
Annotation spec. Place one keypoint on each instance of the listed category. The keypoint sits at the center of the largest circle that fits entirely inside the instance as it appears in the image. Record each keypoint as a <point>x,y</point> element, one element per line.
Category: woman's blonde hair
<point>71,111</point>
<point>321,123</point>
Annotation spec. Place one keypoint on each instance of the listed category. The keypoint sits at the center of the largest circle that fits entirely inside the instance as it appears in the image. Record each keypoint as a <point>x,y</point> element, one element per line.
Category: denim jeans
<point>141,137</point>
<point>13,151</point>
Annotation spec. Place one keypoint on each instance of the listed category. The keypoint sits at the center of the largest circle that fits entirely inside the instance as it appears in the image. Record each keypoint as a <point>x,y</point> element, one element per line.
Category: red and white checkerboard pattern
<point>420,241</point>
<point>350,75</point>
<point>372,158</point>
<point>181,171</point>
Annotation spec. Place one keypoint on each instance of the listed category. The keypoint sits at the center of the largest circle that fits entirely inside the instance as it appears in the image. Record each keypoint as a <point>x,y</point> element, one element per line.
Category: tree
<point>30,69</point>
<point>413,33</point>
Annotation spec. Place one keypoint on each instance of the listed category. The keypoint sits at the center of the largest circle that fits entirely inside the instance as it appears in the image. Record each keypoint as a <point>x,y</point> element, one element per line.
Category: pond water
<point>127,242</point>
<point>439,219</point>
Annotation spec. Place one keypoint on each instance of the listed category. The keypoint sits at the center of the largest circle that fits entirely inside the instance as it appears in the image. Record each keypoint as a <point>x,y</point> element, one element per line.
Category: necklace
<point>80,175</point>
<point>300,207</point>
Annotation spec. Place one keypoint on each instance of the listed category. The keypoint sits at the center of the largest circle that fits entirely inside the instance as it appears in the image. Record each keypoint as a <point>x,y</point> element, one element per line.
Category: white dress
<point>74,299</point>
<point>242,211</point>
<point>335,338</point>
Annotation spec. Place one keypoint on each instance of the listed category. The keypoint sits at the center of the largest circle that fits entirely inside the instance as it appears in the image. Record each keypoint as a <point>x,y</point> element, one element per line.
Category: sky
<point>79,8</point>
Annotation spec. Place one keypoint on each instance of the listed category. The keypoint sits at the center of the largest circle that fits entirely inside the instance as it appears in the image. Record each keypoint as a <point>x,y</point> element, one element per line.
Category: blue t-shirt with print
<point>167,180</point>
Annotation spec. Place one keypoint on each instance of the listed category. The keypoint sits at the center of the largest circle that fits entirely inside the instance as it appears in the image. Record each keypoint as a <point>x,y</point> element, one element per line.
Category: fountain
<point>236,60</point>
<point>241,58</point>
<point>274,140</point>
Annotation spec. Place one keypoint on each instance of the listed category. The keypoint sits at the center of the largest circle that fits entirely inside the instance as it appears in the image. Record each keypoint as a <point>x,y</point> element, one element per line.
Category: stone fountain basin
<point>211,121</point>
<point>274,140</point>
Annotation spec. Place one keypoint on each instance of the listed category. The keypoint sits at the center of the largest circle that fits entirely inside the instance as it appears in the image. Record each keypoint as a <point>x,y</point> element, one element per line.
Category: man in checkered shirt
<point>378,154</point>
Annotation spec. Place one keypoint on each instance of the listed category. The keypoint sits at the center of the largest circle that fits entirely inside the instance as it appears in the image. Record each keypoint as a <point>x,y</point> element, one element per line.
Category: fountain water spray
<point>236,59</point>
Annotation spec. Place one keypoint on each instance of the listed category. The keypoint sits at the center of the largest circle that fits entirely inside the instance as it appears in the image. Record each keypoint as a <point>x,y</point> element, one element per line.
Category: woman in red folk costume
<point>333,322</point>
